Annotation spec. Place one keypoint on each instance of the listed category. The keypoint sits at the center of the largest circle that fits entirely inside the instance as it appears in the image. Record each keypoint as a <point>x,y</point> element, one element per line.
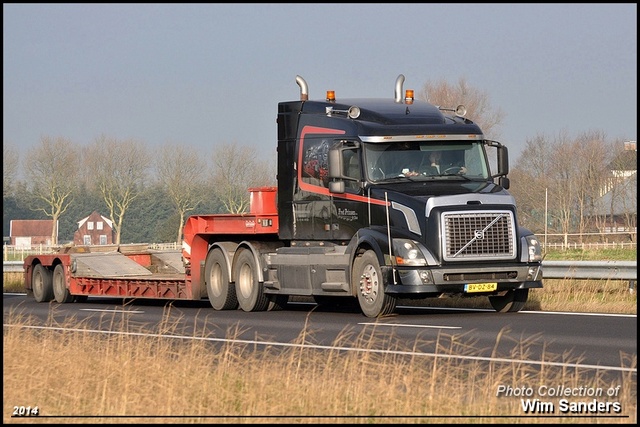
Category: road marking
<point>410,326</point>
<point>113,311</point>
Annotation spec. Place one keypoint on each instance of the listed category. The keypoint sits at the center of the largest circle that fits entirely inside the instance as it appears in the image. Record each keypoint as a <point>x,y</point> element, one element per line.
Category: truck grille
<point>478,235</point>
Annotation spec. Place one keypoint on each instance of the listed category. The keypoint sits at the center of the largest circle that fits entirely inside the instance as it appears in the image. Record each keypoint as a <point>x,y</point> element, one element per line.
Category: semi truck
<point>360,214</point>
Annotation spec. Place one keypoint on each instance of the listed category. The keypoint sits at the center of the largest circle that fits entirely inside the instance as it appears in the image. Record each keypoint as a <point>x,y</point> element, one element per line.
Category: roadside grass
<point>567,295</point>
<point>592,255</point>
<point>79,376</point>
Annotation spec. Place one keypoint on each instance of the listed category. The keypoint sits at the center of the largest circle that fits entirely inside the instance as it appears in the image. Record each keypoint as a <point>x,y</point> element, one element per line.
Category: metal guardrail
<point>13,267</point>
<point>596,270</point>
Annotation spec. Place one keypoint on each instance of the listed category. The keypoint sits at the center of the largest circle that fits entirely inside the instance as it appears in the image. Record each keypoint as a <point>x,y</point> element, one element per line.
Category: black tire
<point>60,291</point>
<point>513,301</point>
<point>42,283</point>
<point>221,292</point>
<point>367,277</point>
<point>249,290</point>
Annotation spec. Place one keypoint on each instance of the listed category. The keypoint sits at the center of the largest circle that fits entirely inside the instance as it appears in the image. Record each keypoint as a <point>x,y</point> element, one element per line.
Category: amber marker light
<point>408,97</point>
<point>331,95</point>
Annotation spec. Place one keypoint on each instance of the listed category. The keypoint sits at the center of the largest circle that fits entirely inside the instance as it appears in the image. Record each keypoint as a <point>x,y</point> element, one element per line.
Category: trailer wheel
<point>60,291</point>
<point>513,301</point>
<point>222,293</point>
<point>248,289</point>
<point>42,284</point>
<point>366,274</point>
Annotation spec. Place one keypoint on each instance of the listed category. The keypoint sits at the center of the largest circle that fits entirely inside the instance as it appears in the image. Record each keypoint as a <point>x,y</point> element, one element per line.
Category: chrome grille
<point>478,235</point>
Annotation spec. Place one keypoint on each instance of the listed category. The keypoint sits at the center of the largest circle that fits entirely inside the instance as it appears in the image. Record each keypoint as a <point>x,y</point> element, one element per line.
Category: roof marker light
<point>408,97</point>
<point>331,96</point>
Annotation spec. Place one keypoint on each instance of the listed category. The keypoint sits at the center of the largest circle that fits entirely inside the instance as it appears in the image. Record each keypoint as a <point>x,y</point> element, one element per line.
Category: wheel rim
<point>369,283</point>
<point>58,282</point>
<point>245,279</point>
<point>215,279</point>
<point>38,285</point>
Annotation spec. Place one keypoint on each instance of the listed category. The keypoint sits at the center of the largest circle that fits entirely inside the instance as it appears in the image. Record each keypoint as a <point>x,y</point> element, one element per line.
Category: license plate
<point>480,287</point>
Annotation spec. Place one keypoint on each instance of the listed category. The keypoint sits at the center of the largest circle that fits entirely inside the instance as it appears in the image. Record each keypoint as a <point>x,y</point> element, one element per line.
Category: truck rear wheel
<point>60,291</point>
<point>222,293</point>
<point>249,290</point>
<point>42,284</point>
<point>513,301</point>
<point>367,276</point>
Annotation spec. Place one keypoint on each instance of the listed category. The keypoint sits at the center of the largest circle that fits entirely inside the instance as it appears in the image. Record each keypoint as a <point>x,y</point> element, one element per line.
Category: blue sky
<point>209,74</point>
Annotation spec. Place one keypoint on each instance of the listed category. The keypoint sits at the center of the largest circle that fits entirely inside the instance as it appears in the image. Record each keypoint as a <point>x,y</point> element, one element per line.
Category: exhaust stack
<point>398,92</point>
<point>304,89</point>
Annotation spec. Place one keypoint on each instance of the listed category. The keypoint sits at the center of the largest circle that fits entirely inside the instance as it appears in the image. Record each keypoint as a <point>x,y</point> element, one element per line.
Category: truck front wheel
<point>60,291</point>
<point>248,289</point>
<point>513,301</point>
<point>42,284</point>
<point>222,293</point>
<point>367,277</point>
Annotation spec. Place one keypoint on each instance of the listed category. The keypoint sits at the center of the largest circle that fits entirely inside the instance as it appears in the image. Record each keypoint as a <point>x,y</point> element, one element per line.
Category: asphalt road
<point>596,342</point>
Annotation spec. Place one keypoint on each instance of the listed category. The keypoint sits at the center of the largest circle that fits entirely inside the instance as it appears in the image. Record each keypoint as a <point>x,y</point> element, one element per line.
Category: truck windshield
<point>425,160</point>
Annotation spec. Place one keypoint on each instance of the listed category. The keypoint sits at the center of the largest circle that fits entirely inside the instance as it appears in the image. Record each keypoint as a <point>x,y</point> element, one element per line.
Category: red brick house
<point>27,233</point>
<point>94,230</point>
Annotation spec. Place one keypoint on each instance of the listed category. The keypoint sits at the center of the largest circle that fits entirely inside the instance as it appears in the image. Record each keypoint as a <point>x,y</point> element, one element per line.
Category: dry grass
<point>148,379</point>
<point>589,296</point>
<point>567,295</point>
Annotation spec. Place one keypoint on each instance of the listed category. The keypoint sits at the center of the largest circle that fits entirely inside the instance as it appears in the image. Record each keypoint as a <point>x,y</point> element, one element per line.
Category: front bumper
<point>430,281</point>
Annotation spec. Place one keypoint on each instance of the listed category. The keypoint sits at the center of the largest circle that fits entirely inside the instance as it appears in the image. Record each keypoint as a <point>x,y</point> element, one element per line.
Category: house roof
<point>627,160</point>
<point>95,213</point>
<point>624,197</point>
<point>30,227</point>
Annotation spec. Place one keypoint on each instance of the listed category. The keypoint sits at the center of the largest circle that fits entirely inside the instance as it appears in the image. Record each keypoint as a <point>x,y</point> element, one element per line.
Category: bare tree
<point>181,172</point>
<point>10,159</point>
<point>51,171</point>
<point>476,102</point>
<point>235,170</point>
<point>564,176</point>
<point>118,170</point>
<point>530,181</point>
<point>590,153</point>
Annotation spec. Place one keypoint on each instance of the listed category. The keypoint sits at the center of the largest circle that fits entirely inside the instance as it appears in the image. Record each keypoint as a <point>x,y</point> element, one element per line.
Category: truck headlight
<point>534,249</point>
<point>406,252</point>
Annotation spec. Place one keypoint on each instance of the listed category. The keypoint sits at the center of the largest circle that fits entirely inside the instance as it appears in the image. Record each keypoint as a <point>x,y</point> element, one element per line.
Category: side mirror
<point>335,162</point>
<point>504,182</point>
<point>503,160</point>
<point>336,187</point>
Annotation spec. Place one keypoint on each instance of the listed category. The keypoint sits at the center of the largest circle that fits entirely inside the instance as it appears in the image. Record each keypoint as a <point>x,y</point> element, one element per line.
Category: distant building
<point>27,233</point>
<point>94,230</point>
<point>618,202</point>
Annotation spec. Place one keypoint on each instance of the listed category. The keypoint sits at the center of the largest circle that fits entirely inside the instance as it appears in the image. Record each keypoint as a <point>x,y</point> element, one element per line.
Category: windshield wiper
<point>397,178</point>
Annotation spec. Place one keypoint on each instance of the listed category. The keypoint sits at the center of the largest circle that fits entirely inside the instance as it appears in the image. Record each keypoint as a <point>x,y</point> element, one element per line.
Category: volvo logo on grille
<point>479,234</point>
